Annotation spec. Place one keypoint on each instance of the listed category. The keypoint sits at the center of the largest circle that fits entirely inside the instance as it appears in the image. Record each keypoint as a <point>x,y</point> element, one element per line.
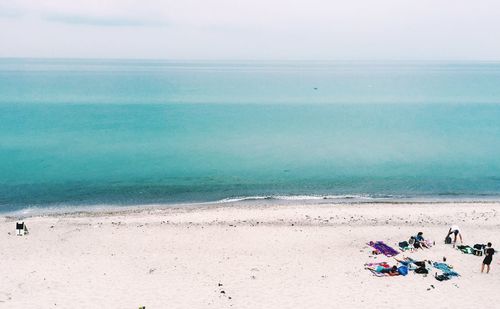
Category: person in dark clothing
<point>420,241</point>
<point>392,271</point>
<point>488,252</point>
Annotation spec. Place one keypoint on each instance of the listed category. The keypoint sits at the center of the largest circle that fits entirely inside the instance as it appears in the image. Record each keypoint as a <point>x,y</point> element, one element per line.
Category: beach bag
<point>442,278</point>
<point>479,247</point>
<point>421,270</point>
<point>419,263</point>
<point>403,244</point>
<point>447,240</point>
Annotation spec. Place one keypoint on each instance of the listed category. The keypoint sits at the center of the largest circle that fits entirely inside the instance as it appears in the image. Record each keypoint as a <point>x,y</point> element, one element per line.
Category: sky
<point>252,29</point>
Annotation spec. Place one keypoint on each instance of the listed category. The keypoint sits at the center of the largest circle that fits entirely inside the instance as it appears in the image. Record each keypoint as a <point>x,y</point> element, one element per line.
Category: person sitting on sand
<point>392,271</point>
<point>417,242</point>
<point>454,229</point>
<point>489,251</point>
<point>420,241</point>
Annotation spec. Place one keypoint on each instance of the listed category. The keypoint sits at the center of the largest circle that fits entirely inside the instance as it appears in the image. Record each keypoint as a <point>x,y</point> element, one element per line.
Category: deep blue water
<point>88,132</point>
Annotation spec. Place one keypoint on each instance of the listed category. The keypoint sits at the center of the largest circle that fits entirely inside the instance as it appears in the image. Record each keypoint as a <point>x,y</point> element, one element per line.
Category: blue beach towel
<point>445,268</point>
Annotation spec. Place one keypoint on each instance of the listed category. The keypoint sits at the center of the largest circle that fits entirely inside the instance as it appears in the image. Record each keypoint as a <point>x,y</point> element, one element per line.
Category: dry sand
<point>257,256</point>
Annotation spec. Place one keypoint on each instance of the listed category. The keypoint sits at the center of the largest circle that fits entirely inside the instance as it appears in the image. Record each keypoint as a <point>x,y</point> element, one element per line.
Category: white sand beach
<point>243,256</point>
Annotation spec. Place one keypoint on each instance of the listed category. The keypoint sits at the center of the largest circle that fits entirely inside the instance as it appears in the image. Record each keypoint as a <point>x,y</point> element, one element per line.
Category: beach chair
<point>405,246</point>
<point>479,249</point>
<point>21,229</point>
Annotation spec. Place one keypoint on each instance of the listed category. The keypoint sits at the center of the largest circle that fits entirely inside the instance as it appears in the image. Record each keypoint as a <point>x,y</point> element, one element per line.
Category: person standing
<point>455,230</point>
<point>489,251</point>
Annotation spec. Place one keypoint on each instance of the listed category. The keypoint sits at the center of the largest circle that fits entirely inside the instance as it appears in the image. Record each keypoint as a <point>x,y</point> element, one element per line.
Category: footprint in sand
<point>5,297</point>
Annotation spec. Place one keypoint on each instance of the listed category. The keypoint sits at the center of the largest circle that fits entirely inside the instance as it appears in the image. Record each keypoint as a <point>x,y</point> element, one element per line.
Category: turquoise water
<point>124,132</point>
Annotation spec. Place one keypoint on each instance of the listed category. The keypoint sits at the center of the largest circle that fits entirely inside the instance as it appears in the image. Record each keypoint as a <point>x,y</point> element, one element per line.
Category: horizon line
<point>245,59</point>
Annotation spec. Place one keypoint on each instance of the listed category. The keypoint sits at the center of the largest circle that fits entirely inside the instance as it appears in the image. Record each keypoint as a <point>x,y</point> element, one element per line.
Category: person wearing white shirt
<point>455,230</point>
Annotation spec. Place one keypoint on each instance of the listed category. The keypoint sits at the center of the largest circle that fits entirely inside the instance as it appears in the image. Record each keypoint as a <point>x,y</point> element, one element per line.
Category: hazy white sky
<point>252,29</point>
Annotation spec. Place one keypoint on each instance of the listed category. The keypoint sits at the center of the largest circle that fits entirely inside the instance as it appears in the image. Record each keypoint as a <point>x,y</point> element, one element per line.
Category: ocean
<point>81,133</point>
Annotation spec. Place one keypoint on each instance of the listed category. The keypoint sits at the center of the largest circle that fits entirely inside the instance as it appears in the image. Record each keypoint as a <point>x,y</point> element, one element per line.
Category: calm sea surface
<point>125,132</point>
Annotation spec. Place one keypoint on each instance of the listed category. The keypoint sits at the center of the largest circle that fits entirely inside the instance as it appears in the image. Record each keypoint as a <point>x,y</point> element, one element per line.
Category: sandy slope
<point>289,256</point>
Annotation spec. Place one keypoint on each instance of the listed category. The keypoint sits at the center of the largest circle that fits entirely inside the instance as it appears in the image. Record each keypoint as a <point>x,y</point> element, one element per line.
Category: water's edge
<point>254,201</point>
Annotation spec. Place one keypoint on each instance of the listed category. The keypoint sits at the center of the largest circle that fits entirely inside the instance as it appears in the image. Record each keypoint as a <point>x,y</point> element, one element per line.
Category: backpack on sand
<point>421,270</point>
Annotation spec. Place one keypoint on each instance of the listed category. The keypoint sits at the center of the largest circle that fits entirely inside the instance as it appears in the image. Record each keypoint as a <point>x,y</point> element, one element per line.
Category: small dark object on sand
<point>21,229</point>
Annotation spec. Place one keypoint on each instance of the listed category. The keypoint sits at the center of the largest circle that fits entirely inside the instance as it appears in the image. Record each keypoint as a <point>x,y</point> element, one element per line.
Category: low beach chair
<point>405,246</point>
<point>21,229</point>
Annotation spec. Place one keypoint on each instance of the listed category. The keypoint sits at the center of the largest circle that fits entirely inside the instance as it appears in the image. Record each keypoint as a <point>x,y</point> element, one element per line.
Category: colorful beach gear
<point>446,269</point>
<point>377,269</point>
<point>383,248</point>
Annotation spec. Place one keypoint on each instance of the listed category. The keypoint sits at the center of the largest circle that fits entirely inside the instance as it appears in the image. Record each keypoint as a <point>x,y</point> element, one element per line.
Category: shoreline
<point>98,210</point>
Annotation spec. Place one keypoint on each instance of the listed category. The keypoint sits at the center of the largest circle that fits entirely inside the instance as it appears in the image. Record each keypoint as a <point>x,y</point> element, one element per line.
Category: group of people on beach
<point>488,250</point>
<point>418,242</point>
